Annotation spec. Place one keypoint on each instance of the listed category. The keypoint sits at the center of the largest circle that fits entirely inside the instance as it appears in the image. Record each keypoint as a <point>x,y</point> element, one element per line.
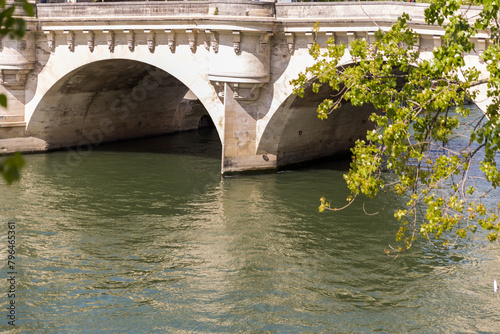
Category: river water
<point>145,237</point>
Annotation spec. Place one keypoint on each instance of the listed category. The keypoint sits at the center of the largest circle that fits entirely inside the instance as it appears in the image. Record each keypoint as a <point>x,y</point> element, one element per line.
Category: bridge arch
<point>296,134</point>
<point>103,96</point>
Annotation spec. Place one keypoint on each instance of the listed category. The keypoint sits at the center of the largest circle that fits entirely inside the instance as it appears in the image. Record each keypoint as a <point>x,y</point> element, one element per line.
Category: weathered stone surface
<point>22,144</point>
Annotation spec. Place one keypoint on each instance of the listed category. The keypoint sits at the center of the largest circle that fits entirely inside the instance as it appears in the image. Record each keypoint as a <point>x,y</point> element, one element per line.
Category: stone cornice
<point>242,15</point>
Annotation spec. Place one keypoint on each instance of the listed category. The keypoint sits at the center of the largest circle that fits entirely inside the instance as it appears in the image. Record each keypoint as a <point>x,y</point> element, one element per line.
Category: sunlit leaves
<point>364,176</point>
<point>420,110</point>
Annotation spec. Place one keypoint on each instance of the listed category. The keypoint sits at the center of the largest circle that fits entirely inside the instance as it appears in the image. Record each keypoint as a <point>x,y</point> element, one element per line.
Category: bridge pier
<point>240,137</point>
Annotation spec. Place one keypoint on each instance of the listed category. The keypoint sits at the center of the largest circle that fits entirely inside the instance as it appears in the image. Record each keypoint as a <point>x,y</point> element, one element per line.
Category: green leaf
<point>29,8</point>
<point>3,100</point>
<point>11,167</point>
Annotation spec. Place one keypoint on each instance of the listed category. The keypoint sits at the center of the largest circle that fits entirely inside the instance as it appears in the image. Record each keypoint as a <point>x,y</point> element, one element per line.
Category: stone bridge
<point>86,73</point>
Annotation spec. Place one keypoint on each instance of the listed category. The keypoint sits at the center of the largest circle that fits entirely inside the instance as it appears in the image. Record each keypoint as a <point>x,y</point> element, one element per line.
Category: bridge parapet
<point>101,10</point>
<point>346,12</point>
<point>154,10</point>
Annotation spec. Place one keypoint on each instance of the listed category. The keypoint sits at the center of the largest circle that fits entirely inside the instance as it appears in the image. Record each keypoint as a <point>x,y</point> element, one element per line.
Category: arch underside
<point>297,135</point>
<point>111,100</point>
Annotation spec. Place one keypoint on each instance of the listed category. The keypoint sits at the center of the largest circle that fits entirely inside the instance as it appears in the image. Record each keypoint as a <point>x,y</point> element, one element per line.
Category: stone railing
<point>342,12</point>
<point>100,10</point>
<point>154,9</point>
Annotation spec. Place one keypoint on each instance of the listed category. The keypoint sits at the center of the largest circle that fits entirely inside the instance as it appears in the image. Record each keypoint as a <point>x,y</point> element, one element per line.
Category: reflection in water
<point>145,237</point>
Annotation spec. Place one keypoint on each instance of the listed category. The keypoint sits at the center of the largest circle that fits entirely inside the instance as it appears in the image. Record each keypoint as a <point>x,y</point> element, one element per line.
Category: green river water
<point>145,237</point>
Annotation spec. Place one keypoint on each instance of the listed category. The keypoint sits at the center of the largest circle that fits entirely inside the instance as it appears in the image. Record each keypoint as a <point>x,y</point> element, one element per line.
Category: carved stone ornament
<point>192,40</point>
<point>170,39</point>
<point>50,40</point>
<point>111,45</point>
<point>236,42</point>
<point>70,40</point>
<point>150,40</point>
<point>22,44</point>
<point>151,45</point>
<point>110,40</point>
<point>130,40</point>
<point>90,39</point>
<point>236,47</point>
<point>214,41</point>
<point>206,42</point>
<point>215,46</point>
<point>192,46</point>
<point>290,42</point>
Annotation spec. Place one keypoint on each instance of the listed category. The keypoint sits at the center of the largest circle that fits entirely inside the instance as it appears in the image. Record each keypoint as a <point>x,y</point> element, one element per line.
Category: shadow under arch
<point>110,100</point>
<point>295,133</point>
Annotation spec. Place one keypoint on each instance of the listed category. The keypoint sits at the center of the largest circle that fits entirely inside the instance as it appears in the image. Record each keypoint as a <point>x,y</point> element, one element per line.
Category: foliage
<point>13,27</point>
<point>418,135</point>
<point>10,25</point>
<point>11,167</point>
